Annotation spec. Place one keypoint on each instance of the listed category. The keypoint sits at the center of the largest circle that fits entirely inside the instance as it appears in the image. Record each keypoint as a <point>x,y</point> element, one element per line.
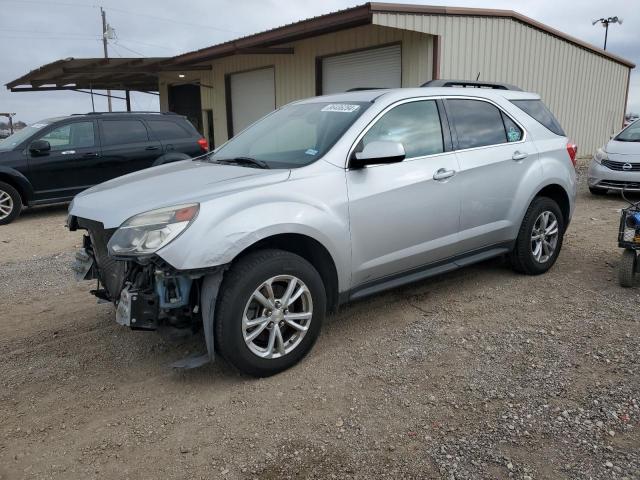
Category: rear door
<point>175,135</point>
<point>127,146</point>
<point>69,167</point>
<point>494,155</point>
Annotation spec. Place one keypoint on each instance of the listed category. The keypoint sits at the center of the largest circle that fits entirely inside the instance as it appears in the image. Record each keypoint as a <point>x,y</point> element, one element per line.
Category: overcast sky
<point>33,33</point>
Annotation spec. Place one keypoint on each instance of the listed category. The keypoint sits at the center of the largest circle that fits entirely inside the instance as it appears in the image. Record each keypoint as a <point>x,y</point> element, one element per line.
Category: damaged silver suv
<point>324,201</point>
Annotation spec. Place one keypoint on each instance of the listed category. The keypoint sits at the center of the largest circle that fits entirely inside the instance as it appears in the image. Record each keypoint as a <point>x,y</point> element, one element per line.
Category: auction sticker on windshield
<point>340,107</point>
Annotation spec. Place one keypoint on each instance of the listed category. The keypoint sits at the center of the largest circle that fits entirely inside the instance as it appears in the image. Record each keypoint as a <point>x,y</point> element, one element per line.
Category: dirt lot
<point>482,373</point>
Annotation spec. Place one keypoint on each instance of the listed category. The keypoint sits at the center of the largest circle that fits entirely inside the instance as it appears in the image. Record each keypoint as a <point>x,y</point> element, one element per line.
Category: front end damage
<point>147,292</point>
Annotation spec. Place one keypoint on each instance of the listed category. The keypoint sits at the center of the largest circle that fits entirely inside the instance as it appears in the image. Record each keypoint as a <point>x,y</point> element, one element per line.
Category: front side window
<point>118,132</point>
<point>293,136</point>
<point>478,123</point>
<point>416,125</point>
<point>72,135</point>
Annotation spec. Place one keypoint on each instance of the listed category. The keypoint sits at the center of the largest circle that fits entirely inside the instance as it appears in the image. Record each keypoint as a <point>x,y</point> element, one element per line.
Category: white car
<point>616,166</point>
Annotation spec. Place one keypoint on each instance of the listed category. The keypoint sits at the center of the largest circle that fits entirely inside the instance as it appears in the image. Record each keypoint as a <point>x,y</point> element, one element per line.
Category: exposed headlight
<point>148,232</point>
<point>600,155</point>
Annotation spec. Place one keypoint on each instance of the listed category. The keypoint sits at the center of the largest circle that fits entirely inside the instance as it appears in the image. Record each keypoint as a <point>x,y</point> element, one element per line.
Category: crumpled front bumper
<point>149,294</point>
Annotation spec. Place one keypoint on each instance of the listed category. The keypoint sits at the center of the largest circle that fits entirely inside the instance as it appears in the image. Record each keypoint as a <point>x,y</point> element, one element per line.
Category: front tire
<point>628,268</point>
<point>540,237</point>
<point>269,312</point>
<point>10,203</point>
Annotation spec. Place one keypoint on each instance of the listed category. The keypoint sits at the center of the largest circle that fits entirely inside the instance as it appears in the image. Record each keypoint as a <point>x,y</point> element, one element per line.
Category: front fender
<point>19,180</point>
<point>170,158</point>
<point>214,241</point>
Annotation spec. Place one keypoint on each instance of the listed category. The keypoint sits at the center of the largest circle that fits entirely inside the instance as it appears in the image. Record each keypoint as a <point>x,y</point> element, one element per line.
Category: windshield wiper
<point>248,161</point>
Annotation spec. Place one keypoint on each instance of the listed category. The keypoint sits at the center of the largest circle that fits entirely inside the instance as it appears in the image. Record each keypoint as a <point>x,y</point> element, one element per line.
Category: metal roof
<point>97,73</point>
<point>363,15</point>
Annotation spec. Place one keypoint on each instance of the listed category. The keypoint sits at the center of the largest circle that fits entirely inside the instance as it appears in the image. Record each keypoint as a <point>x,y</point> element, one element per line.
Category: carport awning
<point>137,74</point>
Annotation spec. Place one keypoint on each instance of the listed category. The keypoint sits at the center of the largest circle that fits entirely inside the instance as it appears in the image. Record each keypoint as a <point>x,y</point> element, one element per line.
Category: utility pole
<point>104,45</point>
<point>10,117</point>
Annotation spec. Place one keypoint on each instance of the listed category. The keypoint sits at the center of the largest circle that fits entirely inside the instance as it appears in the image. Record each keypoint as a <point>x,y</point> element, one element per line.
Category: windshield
<point>12,141</point>
<point>630,134</point>
<point>291,137</point>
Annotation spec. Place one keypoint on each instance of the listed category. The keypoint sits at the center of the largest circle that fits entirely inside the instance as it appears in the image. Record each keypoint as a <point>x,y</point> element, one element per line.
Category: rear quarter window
<point>539,112</point>
<point>168,129</point>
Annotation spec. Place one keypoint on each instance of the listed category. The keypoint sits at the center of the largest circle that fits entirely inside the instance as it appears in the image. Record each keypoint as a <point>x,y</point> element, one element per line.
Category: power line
<point>120,10</point>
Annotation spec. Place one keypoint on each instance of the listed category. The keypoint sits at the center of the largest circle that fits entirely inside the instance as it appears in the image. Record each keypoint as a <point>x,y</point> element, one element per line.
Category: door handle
<point>68,152</point>
<point>91,155</point>
<point>152,147</point>
<point>443,174</point>
<point>518,155</point>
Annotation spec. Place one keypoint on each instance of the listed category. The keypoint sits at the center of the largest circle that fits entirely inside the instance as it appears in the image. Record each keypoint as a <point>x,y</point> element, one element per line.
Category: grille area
<point>619,166</point>
<point>619,185</point>
<point>110,271</point>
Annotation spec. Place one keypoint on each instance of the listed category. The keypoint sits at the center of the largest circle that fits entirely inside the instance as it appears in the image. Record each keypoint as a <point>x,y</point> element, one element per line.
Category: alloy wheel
<point>277,316</point>
<point>544,237</point>
<point>6,204</point>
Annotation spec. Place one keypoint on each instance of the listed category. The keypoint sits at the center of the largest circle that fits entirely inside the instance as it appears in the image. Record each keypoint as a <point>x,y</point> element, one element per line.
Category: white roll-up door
<point>373,68</point>
<point>253,95</point>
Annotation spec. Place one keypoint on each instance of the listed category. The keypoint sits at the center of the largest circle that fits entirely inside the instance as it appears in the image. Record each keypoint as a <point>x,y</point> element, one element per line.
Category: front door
<point>69,167</point>
<point>401,217</point>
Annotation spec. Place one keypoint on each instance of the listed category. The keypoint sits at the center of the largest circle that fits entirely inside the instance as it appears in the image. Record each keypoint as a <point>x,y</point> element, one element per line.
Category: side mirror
<point>39,147</point>
<point>375,153</point>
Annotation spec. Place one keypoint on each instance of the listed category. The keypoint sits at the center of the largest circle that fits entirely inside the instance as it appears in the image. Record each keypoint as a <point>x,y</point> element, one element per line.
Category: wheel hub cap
<point>6,204</point>
<point>277,316</point>
<point>544,237</point>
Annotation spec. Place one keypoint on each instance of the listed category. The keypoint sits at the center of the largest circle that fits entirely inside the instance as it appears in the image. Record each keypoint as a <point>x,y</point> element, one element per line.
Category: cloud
<point>35,32</point>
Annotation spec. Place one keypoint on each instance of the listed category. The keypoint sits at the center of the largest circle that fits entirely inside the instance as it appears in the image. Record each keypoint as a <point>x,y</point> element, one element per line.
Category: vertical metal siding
<point>584,90</point>
<point>295,75</point>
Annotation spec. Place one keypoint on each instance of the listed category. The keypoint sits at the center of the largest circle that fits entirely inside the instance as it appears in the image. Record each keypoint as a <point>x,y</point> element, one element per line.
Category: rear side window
<point>117,132</point>
<point>477,123</point>
<point>416,125</point>
<point>540,112</point>
<point>167,129</point>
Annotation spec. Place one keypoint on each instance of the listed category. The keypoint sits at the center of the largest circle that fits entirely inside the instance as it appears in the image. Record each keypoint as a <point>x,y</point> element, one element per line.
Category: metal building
<point>225,87</point>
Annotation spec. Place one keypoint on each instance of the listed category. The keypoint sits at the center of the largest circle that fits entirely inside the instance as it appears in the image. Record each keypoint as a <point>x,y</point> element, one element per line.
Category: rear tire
<point>598,191</point>
<point>253,299</point>
<point>10,203</point>
<point>537,248</point>
<point>627,268</point>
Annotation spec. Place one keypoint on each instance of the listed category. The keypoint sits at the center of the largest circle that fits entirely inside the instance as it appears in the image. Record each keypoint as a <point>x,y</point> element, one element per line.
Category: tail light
<point>204,145</point>
<point>572,149</point>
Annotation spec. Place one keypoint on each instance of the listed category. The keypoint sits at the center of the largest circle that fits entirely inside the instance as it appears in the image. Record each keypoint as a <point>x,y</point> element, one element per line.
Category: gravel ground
<point>481,373</point>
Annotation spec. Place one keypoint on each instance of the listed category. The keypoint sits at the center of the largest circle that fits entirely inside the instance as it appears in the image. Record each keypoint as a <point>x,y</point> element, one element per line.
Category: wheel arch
<point>311,250</point>
<point>19,182</point>
<point>558,194</point>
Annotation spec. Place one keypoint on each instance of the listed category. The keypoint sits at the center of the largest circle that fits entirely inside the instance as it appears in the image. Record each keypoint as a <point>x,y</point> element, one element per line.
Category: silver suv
<point>324,201</point>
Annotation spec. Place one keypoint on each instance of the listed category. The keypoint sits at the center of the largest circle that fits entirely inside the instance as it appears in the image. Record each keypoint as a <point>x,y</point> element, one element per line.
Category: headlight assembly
<point>600,155</point>
<point>148,232</point>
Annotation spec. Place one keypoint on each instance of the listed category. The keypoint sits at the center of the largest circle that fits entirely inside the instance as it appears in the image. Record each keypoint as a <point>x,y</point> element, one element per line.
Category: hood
<point>623,148</point>
<point>177,183</point>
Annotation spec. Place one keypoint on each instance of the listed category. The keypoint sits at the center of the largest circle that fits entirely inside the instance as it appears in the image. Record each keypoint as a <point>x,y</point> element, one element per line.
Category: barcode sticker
<point>340,107</point>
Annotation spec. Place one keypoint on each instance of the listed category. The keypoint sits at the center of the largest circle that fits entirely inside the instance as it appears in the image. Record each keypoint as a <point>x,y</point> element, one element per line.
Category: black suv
<point>53,160</point>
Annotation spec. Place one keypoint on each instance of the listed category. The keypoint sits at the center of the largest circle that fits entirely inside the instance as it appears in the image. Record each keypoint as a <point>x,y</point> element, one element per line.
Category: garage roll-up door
<point>378,67</point>
<point>253,95</point>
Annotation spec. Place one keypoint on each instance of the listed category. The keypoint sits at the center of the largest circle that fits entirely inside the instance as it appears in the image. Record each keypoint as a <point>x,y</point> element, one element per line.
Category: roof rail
<point>363,89</point>
<point>125,112</point>
<point>471,84</point>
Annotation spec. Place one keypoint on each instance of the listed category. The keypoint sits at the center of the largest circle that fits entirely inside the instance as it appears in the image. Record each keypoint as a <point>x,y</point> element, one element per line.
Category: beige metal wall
<point>296,73</point>
<point>586,91</point>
